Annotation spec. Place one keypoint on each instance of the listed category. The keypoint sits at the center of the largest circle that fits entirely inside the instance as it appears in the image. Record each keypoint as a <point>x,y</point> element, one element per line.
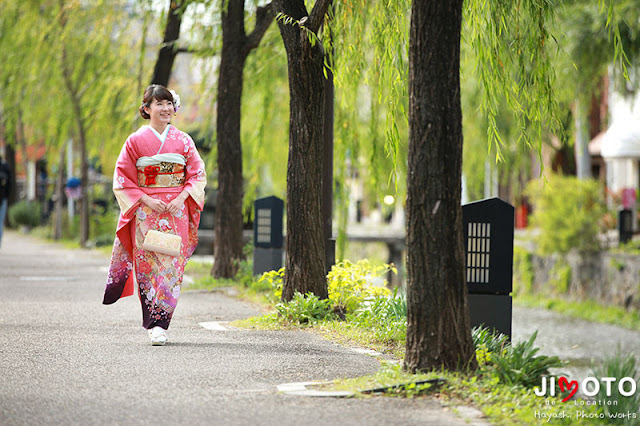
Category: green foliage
<point>487,340</point>
<point>619,366</point>
<point>523,270</point>
<point>52,49</point>
<point>103,228</point>
<point>560,277</point>
<point>25,213</point>
<point>274,281</point>
<point>568,213</point>
<point>501,404</point>
<point>511,41</point>
<point>588,310</point>
<point>351,284</point>
<point>392,308</point>
<point>630,247</point>
<point>305,309</point>
<point>512,365</point>
<point>243,277</point>
<point>618,264</point>
<point>244,273</point>
<point>385,317</point>
<point>519,364</point>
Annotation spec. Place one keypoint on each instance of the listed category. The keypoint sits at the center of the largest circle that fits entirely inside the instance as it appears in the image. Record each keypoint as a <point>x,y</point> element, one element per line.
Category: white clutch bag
<point>162,242</point>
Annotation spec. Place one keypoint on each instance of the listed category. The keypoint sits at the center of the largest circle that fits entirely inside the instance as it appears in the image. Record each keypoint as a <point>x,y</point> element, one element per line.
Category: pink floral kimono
<point>161,166</point>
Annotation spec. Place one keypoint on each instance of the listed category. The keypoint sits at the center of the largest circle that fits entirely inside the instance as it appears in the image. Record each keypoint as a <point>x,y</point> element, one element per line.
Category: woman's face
<point>160,112</point>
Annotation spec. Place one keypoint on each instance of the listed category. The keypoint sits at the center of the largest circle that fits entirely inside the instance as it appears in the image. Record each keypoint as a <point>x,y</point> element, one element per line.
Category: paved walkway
<point>66,359</point>
<point>583,344</point>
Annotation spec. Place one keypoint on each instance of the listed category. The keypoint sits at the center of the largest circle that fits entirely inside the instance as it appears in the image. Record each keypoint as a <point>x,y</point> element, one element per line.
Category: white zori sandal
<point>158,336</point>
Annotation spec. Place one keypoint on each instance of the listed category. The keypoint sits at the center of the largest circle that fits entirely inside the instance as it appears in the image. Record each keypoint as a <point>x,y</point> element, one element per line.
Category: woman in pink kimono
<point>159,183</point>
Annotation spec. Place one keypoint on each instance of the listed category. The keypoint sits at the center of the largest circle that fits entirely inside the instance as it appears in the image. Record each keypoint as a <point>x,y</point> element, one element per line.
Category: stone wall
<point>606,277</point>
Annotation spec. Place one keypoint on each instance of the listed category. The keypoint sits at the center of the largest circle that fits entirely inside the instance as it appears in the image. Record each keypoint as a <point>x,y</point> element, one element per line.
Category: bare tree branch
<point>197,50</point>
<point>264,17</point>
<point>317,15</point>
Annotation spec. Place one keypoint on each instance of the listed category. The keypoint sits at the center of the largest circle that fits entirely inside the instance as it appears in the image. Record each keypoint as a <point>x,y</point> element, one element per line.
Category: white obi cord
<point>161,158</point>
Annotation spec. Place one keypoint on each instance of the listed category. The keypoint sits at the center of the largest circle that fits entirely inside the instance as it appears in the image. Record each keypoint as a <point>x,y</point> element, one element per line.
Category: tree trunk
<point>327,171</point>
<point>167,53</point>
<point>11,159</point>
<point>59,195</point>
<point>227,249</point>
<point>21,142</point>
<point>75,99</point>
<point>236,45</point>
<point>581,120</point>
<point>438,324</point>
<point>305,246</point>
<point>84,178</point>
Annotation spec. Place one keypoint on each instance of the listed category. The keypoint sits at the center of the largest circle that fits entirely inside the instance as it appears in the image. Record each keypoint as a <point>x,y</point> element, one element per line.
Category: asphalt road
<point>66,359</point>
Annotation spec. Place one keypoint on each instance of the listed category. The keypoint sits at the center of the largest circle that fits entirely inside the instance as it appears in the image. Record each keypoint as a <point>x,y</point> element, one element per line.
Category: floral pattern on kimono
<point>158,277</point>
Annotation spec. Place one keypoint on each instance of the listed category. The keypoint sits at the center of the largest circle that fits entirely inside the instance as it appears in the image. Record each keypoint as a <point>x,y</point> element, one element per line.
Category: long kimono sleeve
<point>125,180</point>
<point>196,177</point>
<point>120,281</point>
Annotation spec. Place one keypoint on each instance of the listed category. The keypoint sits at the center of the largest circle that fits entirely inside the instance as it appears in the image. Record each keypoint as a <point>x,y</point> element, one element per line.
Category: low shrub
<point>103,228</point>
<point>305,309</point>
<point>244,271</point>
<point>272,280</point>
<point>568,211</point>
<point>25,213</point>
<point>385,318</point>
<point>513,365</point>
<point>351,284</point>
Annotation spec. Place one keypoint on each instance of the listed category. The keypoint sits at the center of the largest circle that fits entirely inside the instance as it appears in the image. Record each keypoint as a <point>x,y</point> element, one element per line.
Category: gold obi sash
<point>161,175</point>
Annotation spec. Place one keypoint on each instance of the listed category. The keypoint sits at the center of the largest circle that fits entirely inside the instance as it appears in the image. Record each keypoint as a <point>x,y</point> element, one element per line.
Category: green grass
<point>587,310</point>
<point>503,405</point>
<point>203,280</point>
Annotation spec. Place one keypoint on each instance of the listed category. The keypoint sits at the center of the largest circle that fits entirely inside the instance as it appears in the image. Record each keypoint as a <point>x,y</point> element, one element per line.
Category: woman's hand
<point>158,206</point>
<point>175,205</point>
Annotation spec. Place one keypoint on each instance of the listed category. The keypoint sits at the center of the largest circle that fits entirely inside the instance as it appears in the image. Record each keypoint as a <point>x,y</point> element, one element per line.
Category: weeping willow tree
<point>599,44</point>
<point>511,42</point>
<point>70,77</point>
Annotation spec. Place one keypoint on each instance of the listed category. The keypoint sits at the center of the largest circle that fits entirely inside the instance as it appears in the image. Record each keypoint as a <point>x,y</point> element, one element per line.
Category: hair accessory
<point>176,100</point>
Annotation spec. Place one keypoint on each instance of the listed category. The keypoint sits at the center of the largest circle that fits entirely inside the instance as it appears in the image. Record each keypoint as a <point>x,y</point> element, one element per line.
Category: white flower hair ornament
<point>176,100</point>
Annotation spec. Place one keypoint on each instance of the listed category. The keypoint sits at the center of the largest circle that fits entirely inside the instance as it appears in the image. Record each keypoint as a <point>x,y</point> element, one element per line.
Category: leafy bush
<point>523,271</point>
<point>513,365</point>
<point>305,309</point>
<point>103,228</point>
<point>26,213</point>
<point>519,364</point>
<point>568,212</point>
<point>485,338</point>
<point>385,317</point>
<point>385,308</point>
<point>619,366</point>
<point>351,284</point>
<point>273,280</point>
<point>244,272</point>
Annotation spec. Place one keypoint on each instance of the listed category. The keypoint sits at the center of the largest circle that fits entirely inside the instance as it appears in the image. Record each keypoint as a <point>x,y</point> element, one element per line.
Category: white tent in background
<point>620,150</point>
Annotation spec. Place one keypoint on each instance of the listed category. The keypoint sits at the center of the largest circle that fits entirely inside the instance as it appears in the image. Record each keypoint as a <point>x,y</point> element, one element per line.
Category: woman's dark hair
<point>157,92</point>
